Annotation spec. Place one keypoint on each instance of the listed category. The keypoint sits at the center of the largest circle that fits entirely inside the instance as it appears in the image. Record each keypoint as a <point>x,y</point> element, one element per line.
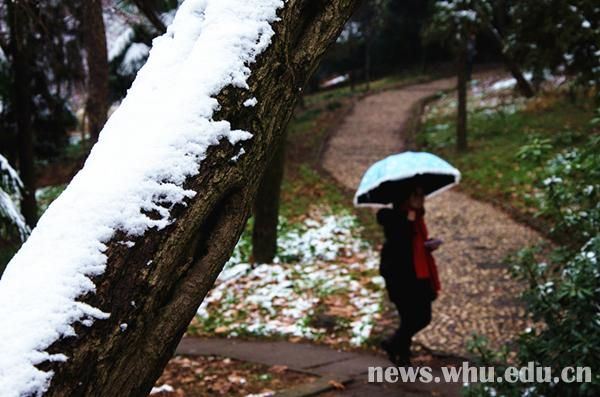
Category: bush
<point>571,193</point>
<point>563,292</point>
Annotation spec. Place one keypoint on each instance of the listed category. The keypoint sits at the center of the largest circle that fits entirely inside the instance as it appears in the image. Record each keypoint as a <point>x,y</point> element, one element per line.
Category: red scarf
<point>425,267</point>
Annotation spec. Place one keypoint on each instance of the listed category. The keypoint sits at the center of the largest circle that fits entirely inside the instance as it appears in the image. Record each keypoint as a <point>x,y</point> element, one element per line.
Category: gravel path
<point>478,295</point>
<point>373,130</point>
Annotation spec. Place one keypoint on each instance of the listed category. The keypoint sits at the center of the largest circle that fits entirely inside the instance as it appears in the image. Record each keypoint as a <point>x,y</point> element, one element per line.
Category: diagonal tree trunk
<point>157,302</point>
<point>147,7</point>
<point>522,84</point>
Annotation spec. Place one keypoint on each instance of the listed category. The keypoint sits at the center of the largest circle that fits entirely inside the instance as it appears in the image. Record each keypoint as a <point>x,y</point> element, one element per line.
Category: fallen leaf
<point>278,369</point>
<point>336,385</point>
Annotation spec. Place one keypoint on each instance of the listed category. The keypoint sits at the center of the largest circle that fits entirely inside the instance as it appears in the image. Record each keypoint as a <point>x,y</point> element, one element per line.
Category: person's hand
<point>433,243</point>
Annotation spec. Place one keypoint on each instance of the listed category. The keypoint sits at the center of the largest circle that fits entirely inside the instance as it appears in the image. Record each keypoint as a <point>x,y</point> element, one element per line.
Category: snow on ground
<point>488,96</point>
<point>162,389</point>
<point>323,285</point>
<point>506,84</point>
<point>151,144</point>
<point>335,81</point>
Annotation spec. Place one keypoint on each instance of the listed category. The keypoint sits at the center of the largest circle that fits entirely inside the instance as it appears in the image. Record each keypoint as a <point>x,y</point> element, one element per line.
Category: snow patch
<point>162,389</point>
<point>134,58</point>
<point>251,102</point>
<point>508,83</point>
<point>117,45</point>
<point>239,154</point>
<point>320,259</point>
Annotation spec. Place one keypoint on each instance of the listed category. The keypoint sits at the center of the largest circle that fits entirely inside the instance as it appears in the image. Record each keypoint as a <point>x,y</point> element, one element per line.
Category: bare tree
<point>462,77</point>
<point>189,253</point>
<point>148,8</point>
<point>20,25</point>
<point>94,37</point>
<point>513,67</point>
<point>266,209</point>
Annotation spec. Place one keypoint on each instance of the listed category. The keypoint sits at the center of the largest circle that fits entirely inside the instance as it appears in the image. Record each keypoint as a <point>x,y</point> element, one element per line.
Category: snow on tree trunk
<point>97,299</point>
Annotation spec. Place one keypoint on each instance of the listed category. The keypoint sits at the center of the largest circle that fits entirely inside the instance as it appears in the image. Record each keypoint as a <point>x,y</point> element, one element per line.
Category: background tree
<point>487,10</point>
<point>39,69</point>
<point>21,28</point>
<point>131,32</point>
<point>94,37</point>
<point>266,209</point>
<point>370,18</point>
<point>390,33</point>
<point>13,229</point>
<point>455,24</point>
<point>150,8</point>
<point>559,37</point>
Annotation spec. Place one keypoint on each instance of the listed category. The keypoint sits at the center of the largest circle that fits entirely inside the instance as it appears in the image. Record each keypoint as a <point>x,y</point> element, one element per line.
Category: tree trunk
<point>266,209</point>
<point>368,59</point>
<point>20,25</point>
<point>522,84</point>
<point>157,302</point>
<point>352,52</point>
<point>149,10</point>
<point>97,62</point>
<point>461,122</point>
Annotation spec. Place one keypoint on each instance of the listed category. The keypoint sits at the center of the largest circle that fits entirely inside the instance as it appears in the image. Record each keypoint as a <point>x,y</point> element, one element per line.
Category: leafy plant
<point>564,292</point>
<point>571,192</point>
<point>535,150</point>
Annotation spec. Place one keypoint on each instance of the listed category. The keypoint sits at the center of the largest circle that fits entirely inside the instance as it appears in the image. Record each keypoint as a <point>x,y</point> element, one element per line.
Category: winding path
<point>478,295</point>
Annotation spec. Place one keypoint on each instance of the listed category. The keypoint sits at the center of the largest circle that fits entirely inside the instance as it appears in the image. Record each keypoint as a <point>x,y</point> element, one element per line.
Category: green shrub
<point>563,294</point>
<point>571,193</point>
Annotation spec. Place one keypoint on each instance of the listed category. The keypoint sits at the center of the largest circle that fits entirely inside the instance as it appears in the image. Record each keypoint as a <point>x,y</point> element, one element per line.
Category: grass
<point>304,184</point>
<point>495,167</point>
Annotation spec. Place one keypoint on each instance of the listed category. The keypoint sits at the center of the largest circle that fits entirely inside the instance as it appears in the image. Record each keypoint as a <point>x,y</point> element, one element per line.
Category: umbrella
<point>388,179</point>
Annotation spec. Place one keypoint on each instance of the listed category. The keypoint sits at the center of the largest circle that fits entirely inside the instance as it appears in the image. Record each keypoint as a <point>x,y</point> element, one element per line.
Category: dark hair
<point>409,187</point>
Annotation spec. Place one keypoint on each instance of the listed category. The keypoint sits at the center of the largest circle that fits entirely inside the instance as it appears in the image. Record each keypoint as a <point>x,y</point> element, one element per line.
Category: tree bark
<point>149,11</point>
<point>97,61</point>
<point>522,84</point>
<point>266,209</point>
<point>157,302</point>
<point>20,26</point>
<point>368,59</point>
<point>461,122</point>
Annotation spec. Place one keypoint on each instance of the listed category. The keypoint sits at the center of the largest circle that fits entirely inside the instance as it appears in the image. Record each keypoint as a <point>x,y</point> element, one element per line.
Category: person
<point>409,270</point>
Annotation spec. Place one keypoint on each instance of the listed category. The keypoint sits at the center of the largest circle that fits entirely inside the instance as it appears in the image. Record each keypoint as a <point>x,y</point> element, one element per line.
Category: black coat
<point>397,266</point>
